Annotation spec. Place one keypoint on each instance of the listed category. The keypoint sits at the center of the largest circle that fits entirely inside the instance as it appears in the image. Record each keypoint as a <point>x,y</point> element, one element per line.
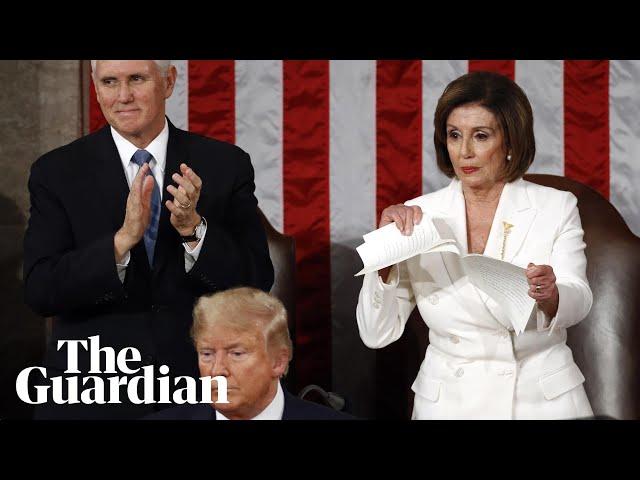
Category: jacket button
<point>459,372</point>
<point>433,299</point>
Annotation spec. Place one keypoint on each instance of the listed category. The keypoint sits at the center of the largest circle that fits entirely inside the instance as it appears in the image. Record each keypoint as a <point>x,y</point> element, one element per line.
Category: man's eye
<point>137,78</point>
<point>237,353</point>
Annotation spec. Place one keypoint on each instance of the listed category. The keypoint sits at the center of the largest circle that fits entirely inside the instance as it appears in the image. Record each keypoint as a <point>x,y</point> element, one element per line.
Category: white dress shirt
<point>157,148</point>
<point>273,411</point>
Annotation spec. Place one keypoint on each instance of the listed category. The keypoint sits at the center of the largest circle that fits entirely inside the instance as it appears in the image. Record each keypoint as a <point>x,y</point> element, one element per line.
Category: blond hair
<point>244,309</point>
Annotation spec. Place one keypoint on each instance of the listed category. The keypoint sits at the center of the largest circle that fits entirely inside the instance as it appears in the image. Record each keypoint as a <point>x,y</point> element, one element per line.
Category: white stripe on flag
<point>624,139</point>
<point>436,75</point>
<point>178,102</point>
<point>259,130</point>
<point>352,151</point>
<point>352,183</point>
<point>543,82</point>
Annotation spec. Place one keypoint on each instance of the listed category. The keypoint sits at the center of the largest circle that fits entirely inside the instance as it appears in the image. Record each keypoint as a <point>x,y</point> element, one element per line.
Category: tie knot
<point>141,157</point>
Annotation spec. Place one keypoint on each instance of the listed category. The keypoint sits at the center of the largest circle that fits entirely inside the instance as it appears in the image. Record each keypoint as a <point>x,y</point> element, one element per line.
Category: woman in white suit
<point>475,366</point>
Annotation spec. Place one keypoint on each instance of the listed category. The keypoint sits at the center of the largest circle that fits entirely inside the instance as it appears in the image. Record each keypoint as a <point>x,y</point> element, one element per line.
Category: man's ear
<point>280,362</point>
<point>172,75</point>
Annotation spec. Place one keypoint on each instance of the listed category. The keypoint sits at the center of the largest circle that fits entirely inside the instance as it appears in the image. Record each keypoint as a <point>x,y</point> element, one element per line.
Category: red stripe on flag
<point>306,212</point>
<point>503,67</point>
<point>96,119</point>
<point>586,123</point>
<point>212,92</point>
<point>398,132</point>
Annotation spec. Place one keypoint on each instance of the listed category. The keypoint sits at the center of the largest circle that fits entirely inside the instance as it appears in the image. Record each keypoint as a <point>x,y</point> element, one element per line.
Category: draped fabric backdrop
<point>334,142</point>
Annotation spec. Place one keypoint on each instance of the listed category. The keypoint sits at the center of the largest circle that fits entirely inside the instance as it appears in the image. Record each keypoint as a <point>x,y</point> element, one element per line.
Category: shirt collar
<point>157,147</point>
<point>273,411</point>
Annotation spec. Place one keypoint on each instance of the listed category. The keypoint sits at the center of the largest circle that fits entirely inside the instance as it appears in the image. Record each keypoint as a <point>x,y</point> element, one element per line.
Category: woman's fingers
<point>403,216</point>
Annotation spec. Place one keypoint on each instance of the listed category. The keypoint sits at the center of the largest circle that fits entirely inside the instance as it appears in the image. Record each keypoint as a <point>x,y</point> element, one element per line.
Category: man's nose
<point>125,94</point>
<point>219,366</point>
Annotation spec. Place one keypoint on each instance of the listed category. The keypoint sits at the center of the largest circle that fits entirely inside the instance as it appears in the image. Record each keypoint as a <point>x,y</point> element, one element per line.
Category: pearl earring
<point>509,158</point>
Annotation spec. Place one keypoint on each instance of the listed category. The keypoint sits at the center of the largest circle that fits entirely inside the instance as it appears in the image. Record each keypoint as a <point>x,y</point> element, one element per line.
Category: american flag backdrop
<point>334,142</point>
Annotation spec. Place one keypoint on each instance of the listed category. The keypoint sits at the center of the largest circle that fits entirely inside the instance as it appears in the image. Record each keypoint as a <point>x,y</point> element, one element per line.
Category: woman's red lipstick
<point>468,170</point>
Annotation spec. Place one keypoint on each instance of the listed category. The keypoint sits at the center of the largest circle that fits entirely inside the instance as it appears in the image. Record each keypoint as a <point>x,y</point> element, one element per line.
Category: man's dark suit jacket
<point>78,201</point>
<point>294,409</point>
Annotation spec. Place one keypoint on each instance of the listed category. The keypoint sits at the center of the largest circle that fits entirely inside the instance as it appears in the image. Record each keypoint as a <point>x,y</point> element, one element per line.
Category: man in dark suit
<point>129,225</point>
<point>241,334</point>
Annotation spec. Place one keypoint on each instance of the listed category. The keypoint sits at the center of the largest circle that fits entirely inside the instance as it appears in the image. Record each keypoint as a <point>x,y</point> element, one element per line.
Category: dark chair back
<point>282,249</point>
<point>606,344</point>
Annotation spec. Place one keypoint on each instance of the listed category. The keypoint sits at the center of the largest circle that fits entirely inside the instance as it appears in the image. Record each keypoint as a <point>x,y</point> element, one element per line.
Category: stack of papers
<point>504,282</point>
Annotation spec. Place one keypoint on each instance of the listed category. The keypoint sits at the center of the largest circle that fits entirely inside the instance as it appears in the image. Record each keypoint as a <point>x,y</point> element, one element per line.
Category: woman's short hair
<point>244,309</point>
<point>511,107</point>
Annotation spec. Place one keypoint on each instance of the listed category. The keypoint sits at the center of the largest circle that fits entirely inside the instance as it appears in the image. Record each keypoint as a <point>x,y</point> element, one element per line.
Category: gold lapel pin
<point>506,229</point>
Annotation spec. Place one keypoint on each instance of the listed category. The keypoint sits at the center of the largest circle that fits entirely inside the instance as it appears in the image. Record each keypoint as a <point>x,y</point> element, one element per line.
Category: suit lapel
<point>514,208</point>
<point>113,188</point>
<point>110,177</point>
<point>204,411</point>
<point>450,221</point>
<point>450,216</point>
<point>286,412</point>
<point>511,223</point>
<point>176,154</point>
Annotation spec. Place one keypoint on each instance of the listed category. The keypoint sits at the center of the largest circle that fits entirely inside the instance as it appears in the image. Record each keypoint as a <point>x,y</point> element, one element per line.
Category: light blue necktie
<point>151,233</point>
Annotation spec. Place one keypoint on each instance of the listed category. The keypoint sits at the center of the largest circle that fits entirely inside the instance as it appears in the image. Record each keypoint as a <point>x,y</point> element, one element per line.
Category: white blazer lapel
<point>450,216</point>
<point>450,219</point>
<point>513,214</point>
<point>519,214</point>
<point>511,224</point>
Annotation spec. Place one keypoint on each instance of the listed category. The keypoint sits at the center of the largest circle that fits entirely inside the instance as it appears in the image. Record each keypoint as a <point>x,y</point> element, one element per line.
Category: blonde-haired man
<point>242,335</point>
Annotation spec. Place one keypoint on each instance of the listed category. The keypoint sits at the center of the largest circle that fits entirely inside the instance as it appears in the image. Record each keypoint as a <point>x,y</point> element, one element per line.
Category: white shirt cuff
<point>392,279</point>
<point>191,254</point>
<point>122,267</point>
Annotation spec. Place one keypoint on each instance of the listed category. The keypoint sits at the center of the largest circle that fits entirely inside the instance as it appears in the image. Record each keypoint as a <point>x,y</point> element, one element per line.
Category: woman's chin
<point>474,181</point>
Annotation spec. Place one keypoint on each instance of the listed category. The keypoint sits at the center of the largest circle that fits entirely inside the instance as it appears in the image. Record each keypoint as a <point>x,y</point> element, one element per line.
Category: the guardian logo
<point>93,389</point>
